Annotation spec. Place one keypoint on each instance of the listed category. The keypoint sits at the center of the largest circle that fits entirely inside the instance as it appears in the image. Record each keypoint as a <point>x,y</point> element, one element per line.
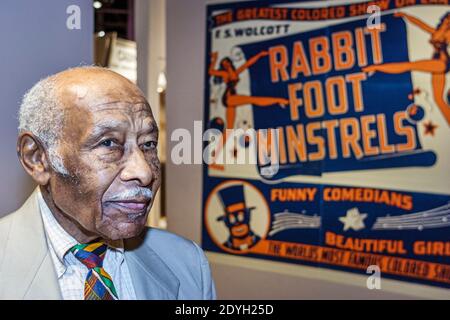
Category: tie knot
<point>90,254</point>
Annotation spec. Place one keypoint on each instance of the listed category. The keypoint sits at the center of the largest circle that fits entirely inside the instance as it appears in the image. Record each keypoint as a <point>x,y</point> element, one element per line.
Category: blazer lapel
<point>28,272</point>
<point>44,285</point>
<point>152,279</point>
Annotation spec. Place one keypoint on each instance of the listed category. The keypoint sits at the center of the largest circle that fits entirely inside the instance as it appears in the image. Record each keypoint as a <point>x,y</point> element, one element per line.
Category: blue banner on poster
<point>347,228</point>
<point>356,102</point>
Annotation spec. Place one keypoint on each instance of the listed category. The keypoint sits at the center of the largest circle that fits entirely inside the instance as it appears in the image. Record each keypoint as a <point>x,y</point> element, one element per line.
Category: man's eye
<point>150,145</point>
<point>107,143</point>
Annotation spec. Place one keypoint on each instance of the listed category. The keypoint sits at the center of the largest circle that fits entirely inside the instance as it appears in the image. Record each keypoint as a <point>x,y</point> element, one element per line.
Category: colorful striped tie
<point>98,284</point>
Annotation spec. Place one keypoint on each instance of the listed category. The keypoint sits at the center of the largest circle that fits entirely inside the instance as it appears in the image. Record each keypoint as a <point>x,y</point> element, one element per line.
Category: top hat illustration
<point>233,200</point>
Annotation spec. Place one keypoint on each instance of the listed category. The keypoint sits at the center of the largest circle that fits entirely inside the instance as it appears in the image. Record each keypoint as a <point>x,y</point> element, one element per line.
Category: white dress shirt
<point>71,272</point>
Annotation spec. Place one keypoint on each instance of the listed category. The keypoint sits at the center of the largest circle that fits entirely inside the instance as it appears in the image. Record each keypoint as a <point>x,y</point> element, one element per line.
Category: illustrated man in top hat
<point>237,219</point>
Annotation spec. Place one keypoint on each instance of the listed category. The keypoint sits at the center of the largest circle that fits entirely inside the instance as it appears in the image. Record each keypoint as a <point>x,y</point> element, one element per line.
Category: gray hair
<point>40,113</point>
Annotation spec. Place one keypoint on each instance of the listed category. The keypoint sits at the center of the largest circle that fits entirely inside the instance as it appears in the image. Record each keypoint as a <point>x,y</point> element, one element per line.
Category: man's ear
<point>32,155</point>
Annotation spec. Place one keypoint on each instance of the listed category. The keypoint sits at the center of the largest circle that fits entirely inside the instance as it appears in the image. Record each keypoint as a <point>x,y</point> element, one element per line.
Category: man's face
<point>110,151</point>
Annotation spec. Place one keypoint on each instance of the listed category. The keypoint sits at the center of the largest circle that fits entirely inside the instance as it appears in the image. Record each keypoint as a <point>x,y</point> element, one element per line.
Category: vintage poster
<point>328,128</point>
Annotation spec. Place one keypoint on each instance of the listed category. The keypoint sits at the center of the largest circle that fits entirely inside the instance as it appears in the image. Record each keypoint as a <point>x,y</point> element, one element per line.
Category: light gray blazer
<point>162,265</point>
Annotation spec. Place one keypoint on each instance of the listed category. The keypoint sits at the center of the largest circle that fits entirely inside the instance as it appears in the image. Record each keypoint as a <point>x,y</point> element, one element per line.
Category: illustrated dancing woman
<point>438,65</point>
<point>231,99</point>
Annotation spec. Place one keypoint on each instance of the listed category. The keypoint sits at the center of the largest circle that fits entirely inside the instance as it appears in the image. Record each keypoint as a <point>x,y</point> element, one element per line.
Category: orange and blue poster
<point>331,125</point>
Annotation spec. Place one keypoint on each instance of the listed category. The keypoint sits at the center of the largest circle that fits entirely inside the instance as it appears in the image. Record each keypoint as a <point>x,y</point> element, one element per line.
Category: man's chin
<point>123,230</point>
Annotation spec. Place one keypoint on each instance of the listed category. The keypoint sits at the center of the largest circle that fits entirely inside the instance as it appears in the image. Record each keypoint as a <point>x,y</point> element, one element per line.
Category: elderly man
<point>88,138</point>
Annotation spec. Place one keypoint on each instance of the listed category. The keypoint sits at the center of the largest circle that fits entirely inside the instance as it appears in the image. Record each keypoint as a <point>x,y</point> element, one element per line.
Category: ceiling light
<point>97,4</point>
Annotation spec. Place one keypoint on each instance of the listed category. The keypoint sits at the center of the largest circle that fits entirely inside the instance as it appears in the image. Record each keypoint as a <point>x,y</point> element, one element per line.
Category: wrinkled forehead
<point>87,122</point>
<point>132,116</point>
<point>125,107</point>
<point>123,116</point>
<point>137,114</point>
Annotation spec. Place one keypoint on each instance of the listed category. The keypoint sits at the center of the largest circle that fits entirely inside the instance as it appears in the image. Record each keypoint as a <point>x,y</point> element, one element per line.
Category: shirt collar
<point>58,238</point>
<point>61,241</point>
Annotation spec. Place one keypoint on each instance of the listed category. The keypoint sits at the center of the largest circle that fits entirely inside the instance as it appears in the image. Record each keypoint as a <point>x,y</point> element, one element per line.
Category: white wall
<point>238,277</point>
<point>35,43</point>
<point>150,23</point>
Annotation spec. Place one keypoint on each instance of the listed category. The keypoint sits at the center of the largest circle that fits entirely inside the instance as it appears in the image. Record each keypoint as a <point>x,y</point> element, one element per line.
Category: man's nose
<point>137,168</point>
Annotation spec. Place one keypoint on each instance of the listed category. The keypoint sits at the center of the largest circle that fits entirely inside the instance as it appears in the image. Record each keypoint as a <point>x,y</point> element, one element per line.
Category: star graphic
<point>353,219</point>
<point>430,127</point>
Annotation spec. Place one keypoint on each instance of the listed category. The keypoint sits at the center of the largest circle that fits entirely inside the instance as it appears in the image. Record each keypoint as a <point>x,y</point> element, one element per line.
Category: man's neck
<point>67,223</point>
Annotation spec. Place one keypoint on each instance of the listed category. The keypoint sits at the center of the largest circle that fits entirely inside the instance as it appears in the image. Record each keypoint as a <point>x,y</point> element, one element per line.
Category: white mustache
<point>132,194</point>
